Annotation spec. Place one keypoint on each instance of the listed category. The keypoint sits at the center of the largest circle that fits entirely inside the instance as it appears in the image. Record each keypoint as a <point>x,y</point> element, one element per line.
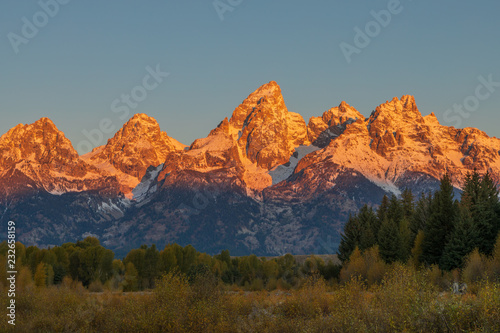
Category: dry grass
<point>406,300</point>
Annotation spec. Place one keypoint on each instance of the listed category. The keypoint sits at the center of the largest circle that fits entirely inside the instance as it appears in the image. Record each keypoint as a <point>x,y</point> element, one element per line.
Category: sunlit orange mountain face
<point>264,181</point>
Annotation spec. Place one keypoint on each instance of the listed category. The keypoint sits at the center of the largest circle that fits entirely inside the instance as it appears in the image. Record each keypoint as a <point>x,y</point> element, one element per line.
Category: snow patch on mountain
<point>282,172</point>
<point>145,187</point>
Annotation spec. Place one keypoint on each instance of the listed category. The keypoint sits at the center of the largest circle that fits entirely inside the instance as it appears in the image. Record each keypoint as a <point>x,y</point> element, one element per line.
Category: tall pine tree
<point>422,214</point>
<point>408,203</point>
<point>441,223</point>
<point>369,227</point>
<point>350,239</point>
<point>462,241</point>
<point>480,196</point>
<point>406,239</point>
<point>390,241</point>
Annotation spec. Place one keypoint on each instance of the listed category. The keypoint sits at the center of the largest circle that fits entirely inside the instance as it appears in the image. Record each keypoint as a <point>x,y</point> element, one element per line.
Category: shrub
<point>367,265</point>
<point>475,267</point>
<point>96,287</point>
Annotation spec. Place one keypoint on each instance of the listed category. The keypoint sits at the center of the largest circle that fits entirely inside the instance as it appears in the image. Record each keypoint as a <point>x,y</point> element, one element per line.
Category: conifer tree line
<point>435,229</point>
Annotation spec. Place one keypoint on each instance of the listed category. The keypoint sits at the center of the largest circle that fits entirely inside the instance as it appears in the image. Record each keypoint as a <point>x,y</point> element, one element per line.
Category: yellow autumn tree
<point>40,275</point>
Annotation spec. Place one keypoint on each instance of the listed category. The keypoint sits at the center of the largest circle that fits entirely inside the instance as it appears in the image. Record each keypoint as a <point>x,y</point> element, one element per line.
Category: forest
<point>396,269</point>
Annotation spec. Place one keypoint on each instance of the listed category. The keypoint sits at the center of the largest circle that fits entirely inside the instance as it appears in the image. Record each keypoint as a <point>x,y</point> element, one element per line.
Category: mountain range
<point>263,181</point>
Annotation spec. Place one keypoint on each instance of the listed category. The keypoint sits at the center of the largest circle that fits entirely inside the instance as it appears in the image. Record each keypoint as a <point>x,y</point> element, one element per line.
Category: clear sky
<point>87,54</point>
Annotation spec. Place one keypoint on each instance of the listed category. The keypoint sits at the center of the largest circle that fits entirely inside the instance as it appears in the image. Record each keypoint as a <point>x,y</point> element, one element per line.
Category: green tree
<point>462,241</point>
<point>151,265</point>
<point>224,256</point>
<point>383,209</point>
<point>422,214</point>
<point>406,239</point>
<point>408,203</point>
<point>168,259</point>
<point>131,277</point>
<point>88,242</point>
<point>369,226</point>
<point>270,269</point>
<point>106,265</point>
<point>395,210</point>
<point>480,196</point>
<point>487,214</point>
<point>136,257</point>
<point>350,238</point>
<point>441,222</point>
<point>390,241</point>
<point>90,259</point>
<point>189,255</point>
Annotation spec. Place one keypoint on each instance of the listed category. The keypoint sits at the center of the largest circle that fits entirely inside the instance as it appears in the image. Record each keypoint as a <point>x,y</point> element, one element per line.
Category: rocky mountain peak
<point>40,142</point>
<point>40,155</point>
<point>139,144</point>
<point>266,98</point>
<point>140,125</point>
<point>321,130</point>
<point>409,103</point>
<point>397,115</point>
<point>431,120</point>
<point>264,129</point>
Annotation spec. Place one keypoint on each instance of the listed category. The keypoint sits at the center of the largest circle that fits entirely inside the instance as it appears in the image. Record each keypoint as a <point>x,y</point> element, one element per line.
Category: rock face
<point>39,157</point>
<point>267,132</point>
<point>134,148</point>
<point>261,182</point>
<point>321,130</point>
<point>260,135</point>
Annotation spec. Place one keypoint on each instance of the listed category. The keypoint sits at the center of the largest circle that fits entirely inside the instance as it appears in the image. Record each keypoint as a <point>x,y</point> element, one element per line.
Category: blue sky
<point>91,52</point>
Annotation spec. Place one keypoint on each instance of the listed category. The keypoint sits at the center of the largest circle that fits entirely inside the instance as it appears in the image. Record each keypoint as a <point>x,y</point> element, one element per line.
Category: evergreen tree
<point>480,196</point>
<point>350,238</point>
<point>408,203</point>
<point>369,227</point>
<point>462,241</point>
<point>395,210</point>
<point>488,219</point>
<point>471,190</point>
<point>382,210</point>
<point>422,214</point>
<point>440,224</point>
<point>389,241</point>
<point>406,239</point>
